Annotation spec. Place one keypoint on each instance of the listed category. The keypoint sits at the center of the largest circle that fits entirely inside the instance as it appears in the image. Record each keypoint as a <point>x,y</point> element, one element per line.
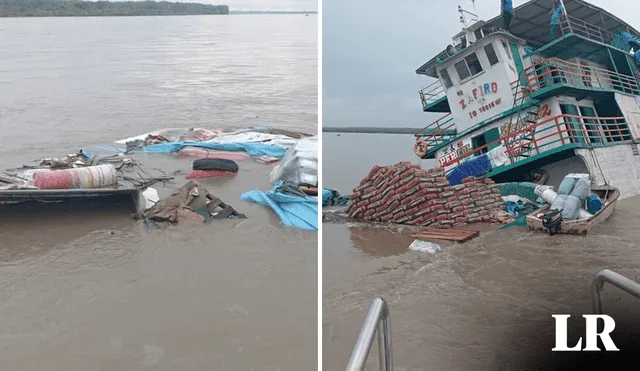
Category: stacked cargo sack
<point>572,196</point>
<point>406,194</point>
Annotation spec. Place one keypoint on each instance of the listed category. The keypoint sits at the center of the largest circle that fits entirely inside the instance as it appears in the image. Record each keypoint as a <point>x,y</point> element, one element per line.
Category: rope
<point>606,182</point>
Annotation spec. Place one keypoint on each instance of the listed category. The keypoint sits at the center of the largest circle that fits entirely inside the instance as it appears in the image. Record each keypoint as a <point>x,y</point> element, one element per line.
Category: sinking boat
<point>608,195</point>
<point>563,96</point>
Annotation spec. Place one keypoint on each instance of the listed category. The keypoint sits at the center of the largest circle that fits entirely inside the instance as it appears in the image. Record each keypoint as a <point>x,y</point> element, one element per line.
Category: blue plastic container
<point>594,204</point>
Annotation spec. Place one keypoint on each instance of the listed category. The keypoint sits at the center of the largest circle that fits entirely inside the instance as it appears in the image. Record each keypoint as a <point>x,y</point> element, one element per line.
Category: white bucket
<point>548,196</point>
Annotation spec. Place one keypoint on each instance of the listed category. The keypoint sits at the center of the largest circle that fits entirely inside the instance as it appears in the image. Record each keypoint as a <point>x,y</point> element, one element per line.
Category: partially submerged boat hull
<point>609,195</point>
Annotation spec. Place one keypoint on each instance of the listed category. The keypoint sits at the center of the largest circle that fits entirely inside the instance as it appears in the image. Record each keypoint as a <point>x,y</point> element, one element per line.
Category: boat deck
<point>128,198</point>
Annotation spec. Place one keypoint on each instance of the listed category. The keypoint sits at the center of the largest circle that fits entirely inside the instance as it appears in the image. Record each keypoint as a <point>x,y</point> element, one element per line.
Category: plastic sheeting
<point>172,134</point>
<point>293,211</point>
<point>497,157</point>
<point>521,189</point>
<point>331,197</point>
<point>299,165</point>
<point>626,41</point>
<point>195,152</point>
<point>254,149</point>
<point>255,142</point>
<point>473,167</point>
<point>256,137</point>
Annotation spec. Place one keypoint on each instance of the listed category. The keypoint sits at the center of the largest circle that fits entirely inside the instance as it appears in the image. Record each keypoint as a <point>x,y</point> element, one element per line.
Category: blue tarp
<point>327,195</point>
<point>625,41</point>
<point>254,149</point>
<point>333,198</point>
<point>473,167</point>
<point>294,211</point>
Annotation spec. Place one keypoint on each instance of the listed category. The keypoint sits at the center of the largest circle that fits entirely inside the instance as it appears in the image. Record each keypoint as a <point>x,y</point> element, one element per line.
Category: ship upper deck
<point>532,21</point>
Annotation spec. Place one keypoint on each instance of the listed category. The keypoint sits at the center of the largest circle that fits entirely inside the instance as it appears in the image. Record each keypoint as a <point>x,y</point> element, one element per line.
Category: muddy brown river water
<point>482,305</point>
<point>93,289</point>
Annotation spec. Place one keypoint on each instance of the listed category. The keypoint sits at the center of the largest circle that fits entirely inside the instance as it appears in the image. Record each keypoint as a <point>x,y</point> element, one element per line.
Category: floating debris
<point>189,202</point>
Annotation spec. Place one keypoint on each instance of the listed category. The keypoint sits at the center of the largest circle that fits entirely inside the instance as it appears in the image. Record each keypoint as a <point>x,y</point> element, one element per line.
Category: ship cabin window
<point>468,67</point>
<point>478,33</point>
<point>491,54</point>
<point>506,49</point>
<point>446,79</point>
<point>487,141</point>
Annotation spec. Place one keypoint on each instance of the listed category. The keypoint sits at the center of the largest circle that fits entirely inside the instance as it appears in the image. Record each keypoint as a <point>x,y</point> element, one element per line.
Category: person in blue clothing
<point>507,13</point>
<point>556,15</point>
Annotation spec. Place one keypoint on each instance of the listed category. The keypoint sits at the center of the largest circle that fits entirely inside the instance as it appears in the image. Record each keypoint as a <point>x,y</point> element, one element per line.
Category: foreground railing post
<point>377,320</point>
<point>623,283</point>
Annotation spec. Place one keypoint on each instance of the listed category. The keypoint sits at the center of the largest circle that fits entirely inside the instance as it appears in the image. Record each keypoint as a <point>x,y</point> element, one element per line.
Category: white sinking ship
<point>556,87</point>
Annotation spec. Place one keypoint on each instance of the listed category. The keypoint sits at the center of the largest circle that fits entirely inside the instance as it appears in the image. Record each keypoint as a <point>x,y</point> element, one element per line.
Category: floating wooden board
<point>457,235</point>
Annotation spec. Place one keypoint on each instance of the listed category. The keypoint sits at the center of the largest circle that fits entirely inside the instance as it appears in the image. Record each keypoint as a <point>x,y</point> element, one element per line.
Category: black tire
<point>215,164</point>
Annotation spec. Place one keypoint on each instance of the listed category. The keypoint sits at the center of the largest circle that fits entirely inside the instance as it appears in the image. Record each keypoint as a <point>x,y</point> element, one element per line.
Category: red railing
<point>439,131</point>
<point>541,74</point>
<point>554,132</point>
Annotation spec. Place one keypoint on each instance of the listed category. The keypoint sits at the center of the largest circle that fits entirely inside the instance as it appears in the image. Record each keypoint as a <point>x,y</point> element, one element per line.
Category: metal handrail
<point>586,30</point>
<point>432,93</point>
<point>378,320</point>
<point>606,275</point>
<point>555,131</point>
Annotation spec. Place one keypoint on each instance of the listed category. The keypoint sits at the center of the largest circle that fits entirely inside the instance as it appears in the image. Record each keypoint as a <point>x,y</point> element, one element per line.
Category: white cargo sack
<point>571,208</point>
<point>300,164</point>
<point>569,205</point>
<point>581,189</point>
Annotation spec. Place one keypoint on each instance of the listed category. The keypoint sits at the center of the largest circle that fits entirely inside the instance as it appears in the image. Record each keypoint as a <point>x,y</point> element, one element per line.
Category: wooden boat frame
<point>609,196</point>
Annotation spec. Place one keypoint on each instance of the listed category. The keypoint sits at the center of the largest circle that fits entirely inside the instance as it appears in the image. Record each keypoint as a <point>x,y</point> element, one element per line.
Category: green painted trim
<point>432,104</point>
<point>517,59</point>
<point>548,45</point>
<point>613,62</point>
<point>552,151</point>
<point>527,160</point>
<point>551,87</point>
<point>519,108</point>
<point>568,35</point>
<point>482,124</point>
<point>633,73</point>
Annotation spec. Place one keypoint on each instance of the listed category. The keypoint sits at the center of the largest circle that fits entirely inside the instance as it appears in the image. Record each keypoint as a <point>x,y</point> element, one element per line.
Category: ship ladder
<point>526,145</point>
<point>522,146</point>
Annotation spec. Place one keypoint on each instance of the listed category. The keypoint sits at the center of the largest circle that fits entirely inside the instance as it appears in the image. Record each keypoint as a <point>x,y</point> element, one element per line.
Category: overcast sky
<point>371,49</point>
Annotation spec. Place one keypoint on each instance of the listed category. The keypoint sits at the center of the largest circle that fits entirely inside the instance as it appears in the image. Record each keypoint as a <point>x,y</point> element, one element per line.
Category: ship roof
<point>531,22</point>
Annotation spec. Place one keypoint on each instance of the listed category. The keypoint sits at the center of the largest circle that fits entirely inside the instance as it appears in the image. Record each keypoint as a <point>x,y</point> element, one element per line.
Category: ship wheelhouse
<point>545,97</point>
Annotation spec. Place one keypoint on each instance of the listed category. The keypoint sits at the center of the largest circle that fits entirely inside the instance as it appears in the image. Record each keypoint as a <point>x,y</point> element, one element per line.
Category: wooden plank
<point>458,235</point>
<point>459,239</point>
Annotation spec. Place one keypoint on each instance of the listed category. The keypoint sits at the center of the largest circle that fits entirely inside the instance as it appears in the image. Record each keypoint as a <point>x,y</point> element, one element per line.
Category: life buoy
<point>421,147</point>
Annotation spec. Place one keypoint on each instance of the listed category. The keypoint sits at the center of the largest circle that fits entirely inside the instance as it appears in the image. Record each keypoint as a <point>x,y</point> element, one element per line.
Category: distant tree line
<point>70,8</point>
